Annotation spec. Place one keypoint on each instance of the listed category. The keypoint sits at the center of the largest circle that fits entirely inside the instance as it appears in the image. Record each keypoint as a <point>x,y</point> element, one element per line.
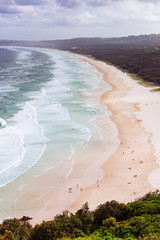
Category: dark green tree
<point>85,216</point>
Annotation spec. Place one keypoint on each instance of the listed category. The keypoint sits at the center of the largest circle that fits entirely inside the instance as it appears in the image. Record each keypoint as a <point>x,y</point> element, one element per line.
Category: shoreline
<point>126,171</point>
<point>85,163</point>
<point>41,196</point>
<point>120,167</point>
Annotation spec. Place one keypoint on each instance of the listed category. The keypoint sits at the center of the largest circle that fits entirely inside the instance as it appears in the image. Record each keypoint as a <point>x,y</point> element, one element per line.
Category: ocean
<point>49,101</point>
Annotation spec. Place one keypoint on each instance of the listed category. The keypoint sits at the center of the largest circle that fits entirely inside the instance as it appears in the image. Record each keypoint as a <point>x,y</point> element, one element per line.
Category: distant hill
<point>139,55</point>
<point>147,40</point>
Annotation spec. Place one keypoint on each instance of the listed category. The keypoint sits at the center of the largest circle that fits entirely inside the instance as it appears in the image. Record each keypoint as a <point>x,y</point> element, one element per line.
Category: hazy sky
<point>61,19</point>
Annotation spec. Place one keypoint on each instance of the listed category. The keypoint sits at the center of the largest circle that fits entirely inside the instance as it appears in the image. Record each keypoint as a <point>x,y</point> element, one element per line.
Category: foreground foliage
<point>110,221</point>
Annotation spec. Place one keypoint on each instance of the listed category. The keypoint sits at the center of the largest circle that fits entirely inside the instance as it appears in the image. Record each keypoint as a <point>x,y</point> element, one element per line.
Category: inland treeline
<point>136,220</point>
<point>139,55</point>
<point>142,61</point>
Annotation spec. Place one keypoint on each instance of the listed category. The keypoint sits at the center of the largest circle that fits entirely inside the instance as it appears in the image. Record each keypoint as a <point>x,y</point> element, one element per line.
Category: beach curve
<point>121,171</point>
<point>129,172</point>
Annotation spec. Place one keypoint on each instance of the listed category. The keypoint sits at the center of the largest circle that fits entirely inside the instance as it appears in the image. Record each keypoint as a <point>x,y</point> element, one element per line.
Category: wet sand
<point>121,172</point>
<point>127,170</point>
<point>122,166</point>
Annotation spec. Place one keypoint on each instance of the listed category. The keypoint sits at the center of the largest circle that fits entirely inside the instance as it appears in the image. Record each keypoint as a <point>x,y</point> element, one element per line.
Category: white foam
<point>7,88</point>
<point>72,151</point>
<point>44,92</point>
<point>71,169</point>
<point>23,55</point>
<point>55,115</point>
<point>22,143</point>
<point>28,162</point>
<point>11,148</point>
<point>2,122</point>
<point>34,117</point>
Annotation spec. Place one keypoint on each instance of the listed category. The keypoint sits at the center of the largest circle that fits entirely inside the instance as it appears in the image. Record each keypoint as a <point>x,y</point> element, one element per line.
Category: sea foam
<point>2,122</point>
<point>52,115</point>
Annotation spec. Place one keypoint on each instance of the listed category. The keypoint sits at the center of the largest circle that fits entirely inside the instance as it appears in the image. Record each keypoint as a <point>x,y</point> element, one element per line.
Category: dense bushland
<point>140,60</point>
<point>136,220</point>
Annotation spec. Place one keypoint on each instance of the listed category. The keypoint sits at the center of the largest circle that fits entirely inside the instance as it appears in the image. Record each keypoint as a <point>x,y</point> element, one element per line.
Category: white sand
<point>125,165</point>
<point>126,170</point>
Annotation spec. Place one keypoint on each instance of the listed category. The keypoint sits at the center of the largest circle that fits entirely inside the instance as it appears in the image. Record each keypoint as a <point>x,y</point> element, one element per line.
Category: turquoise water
<point>46,106</point>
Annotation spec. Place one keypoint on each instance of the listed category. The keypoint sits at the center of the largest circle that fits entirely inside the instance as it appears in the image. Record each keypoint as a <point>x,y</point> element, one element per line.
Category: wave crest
<point>2,122</point>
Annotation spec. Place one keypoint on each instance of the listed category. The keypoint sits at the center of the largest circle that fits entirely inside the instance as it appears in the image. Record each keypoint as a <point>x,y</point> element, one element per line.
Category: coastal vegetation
<point>139,55</point>
<point>111,221</point>
<point>142,61</point>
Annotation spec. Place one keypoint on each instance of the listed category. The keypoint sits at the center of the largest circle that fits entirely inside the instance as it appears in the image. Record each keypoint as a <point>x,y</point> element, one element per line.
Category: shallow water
<point>47,113</point>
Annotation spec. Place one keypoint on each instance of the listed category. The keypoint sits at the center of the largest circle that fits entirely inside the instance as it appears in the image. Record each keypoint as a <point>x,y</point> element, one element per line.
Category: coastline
<point>124,174</point>
<point>86,167</point>
<point>121,166</point>
<point>43,194</point>
<point>128,169</point>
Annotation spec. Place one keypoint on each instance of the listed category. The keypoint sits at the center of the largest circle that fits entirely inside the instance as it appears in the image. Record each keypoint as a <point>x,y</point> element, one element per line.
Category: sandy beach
<point>132,170</point>
<point>121,161</point>
<point>128,168</point>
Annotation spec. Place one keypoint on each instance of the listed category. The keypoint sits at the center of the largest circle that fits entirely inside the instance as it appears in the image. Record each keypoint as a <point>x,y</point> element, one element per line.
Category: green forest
<point>140,60</point>
<point>112,220</point>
